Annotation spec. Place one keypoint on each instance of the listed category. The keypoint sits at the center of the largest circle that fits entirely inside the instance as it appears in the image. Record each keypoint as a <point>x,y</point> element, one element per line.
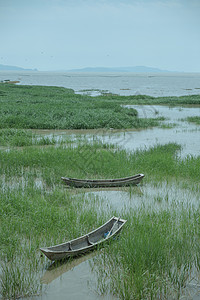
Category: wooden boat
<point>96,183</point>
<point>11,82</point>
<point>85,243</point>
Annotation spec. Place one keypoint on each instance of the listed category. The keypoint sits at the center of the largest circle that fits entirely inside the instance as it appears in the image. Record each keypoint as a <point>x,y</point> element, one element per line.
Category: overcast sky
<point>68,34</point>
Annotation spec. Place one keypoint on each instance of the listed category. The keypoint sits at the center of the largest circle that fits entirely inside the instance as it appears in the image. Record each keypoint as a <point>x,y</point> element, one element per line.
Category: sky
<point>70,34</point>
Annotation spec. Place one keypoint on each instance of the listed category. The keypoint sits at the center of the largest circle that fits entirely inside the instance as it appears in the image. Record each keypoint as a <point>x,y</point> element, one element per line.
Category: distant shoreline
<point>14,68</point>
<point>135,69</point>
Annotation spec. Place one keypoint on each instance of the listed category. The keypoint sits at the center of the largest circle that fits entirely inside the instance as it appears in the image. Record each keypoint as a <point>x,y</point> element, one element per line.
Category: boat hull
<point>85,243</point>
<point>87,183</point>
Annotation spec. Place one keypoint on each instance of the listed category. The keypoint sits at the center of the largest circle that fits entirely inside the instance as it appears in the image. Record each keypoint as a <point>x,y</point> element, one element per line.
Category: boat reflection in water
<point>58,268</point>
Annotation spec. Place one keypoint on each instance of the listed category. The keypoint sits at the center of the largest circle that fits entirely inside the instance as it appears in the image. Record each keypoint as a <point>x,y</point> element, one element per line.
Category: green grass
<point>195,120</point>
<point>43,107</point>
<point>157,251</point>
<point>20,138</point>
<point>34,215</point>
<point>32,218</point>
<point>156,257</point>
<point>97,161</point>
<point>149,100</point>
<point>39,107</point>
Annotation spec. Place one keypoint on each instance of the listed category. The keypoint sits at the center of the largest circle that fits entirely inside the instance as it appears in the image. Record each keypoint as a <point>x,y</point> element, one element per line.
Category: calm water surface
<point>71,281</point>
<point>153,84</point>
<point>183,132</point>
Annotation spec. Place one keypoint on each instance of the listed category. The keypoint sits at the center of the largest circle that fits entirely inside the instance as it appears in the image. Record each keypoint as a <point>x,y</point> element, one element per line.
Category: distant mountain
<point>136,69</point>
<point>14,68</point>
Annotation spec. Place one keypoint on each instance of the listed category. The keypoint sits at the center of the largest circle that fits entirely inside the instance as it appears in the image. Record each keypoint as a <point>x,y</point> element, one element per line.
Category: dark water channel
<point>76,281</point>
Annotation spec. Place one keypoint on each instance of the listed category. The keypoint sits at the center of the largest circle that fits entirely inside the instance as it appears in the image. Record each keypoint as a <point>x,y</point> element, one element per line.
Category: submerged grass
<point>195,120</point>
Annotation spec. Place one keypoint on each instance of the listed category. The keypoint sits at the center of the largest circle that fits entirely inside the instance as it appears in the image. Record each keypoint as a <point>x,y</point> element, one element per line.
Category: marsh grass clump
<point>154,258</point>
<point>195,120</point>
<point>168,126</point>
<point>149,100</point>
<point>13,137</point>
<point>17,281</point>
<point>21,138</point>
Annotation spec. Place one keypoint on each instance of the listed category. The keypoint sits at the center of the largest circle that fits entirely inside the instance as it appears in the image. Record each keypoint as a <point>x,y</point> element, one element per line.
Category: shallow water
<point>184,133</point>
<point>147,196</point>
<point>153,84</point>
<point>71,280</point>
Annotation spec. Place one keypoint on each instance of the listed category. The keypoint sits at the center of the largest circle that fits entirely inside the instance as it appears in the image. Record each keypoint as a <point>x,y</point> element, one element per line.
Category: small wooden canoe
<point>11,82</point>
<point>85,243</point>
<point>96,183</point>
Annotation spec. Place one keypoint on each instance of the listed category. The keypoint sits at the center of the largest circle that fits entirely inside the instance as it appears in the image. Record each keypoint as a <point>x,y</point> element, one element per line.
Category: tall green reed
<point>154,257</point>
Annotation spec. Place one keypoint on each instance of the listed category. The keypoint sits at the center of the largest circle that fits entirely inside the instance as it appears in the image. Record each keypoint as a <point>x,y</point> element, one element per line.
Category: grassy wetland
<point>157,253</point>
<point>36,107</point>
